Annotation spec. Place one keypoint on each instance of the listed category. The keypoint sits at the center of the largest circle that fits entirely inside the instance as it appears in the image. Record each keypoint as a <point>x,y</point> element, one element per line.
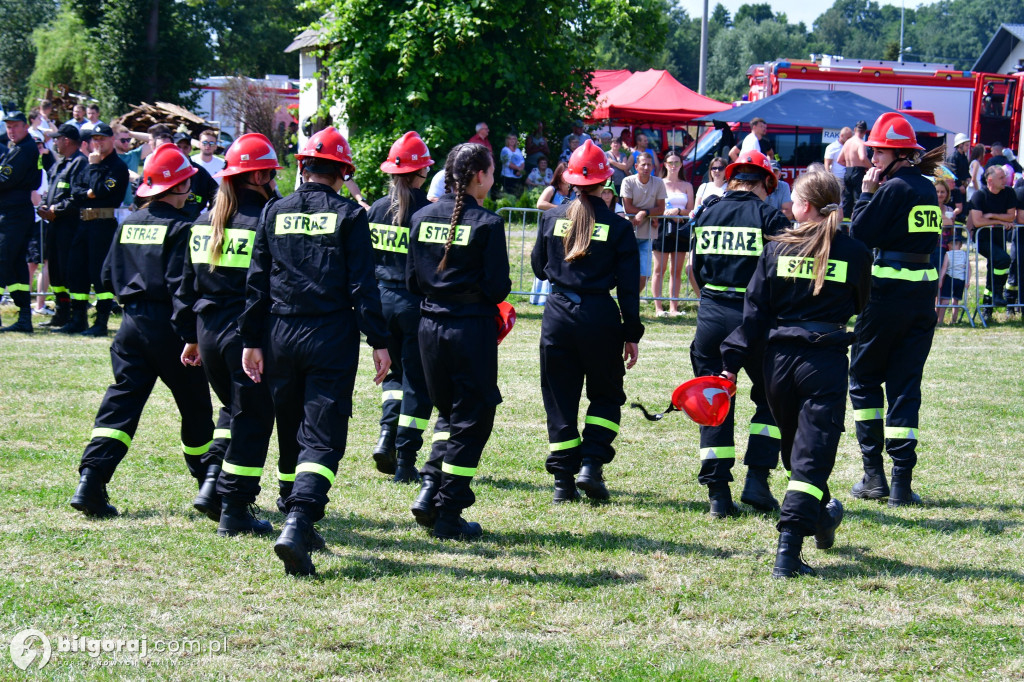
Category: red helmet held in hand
<point>505,319</point>
<point>588,165</point>
<point>753,166</point>
<point>330,145</point>
<point>705,400</point>
<point>248,153</point>
<point>409,153</point>
<point>892,131</point>
<point>164,168</point>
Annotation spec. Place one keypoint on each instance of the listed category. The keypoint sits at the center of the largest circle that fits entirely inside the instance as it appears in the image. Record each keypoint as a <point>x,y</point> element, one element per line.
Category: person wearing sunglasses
<point>205,158</point>
<point>133,158</point>
<point>715,184</point>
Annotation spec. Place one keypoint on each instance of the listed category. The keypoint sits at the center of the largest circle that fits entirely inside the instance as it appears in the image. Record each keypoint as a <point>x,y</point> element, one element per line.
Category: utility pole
<point>702,80</point>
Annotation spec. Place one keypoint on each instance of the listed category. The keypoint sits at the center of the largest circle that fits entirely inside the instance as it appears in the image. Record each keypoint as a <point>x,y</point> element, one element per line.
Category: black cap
<point>69,131</point>
<point>15,116</point>
<point>178,137</point>
<point>102,130</point>
<point>84,135</point>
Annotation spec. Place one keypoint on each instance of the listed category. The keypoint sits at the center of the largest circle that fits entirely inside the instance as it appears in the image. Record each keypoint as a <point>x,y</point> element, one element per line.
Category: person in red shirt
<point>481,137</point>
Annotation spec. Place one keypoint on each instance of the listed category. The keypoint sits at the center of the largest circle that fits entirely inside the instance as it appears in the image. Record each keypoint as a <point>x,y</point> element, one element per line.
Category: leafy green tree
<point>64,55</point>
<point>734,50</point>
<point>251,35</point>
<point>17,53</point>
<point>757,13</point>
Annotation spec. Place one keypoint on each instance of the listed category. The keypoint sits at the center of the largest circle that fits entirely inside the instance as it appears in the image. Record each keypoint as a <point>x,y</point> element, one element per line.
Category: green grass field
<point>646,587</point>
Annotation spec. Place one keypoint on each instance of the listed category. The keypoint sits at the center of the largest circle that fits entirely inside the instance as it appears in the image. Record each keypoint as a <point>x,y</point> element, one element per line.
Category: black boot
<point>722,506</point>
<point>902,495</point>
<point>591,480</point>
<point>384,452</point>
<point>241,518</point>
<point>756,492</point>
<point>406,471</point>
<point>872,487</point>
<point>293,545</point>
<point>451,526</point>
<point>91,495</point>
<point>565,490</point>
<point>828,521</point>
<point>61,317</point>
<point>24,323</point>
<point>788,563</point>
<point>99,325</point>
<point>208,501</point>
<point>423,508</point>
<point>76,325</point>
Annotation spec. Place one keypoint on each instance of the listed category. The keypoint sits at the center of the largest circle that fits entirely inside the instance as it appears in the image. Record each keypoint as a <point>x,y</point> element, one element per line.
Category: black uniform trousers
<point>806,389</point>
<point>1013,278</point>
<point>715,321</point>
<point>89,248</point>
<point>245,432</point>
<point>16,225</point>
<point>59,236</point>
<point>581,340</point>
<point>460,363</point>
<point>852,180</point>
<point>35,251</point>
<point>310,367</point>
<point>992,245</point>
<point>894,337</point>
<point>146,349</point>
<point>405,401</point>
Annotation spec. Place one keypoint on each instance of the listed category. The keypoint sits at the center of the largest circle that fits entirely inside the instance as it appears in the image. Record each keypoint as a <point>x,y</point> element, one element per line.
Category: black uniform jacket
<point>223,286</point>
<point>201,194</point>
<point>145,262</point>
<point>391,242</point>
<point>612,260</point>
<point>903,216</point>
<point>19,173</point>
<point>726,239</point>
<point>477,277</point>
<point>313,258</point>
<point>780,296</point>
<point>63,175</point>
<point>108,181</point>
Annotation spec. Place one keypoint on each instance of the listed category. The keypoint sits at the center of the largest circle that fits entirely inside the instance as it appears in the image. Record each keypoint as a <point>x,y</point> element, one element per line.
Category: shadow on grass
<point>989,527</point>
<point>513,484</point>
<point>867,565</point>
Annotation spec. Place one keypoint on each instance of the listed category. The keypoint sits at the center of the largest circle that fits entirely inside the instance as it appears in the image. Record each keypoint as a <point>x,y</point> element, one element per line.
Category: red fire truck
<point>988,105</point>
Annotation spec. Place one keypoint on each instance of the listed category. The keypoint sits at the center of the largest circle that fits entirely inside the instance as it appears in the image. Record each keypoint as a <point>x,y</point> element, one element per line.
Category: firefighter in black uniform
<point>19,177</point>
<point>727,238</point>
<point>61,211</point>
<point>220,249</point>
<point>585,251</point>
<point>898,216</point>
<point>310,291</point>
<point>457,261</point>
<point>405,402</point>
<point>144,269</point>
<point>99,190</point>
<point>993,214</point>
<point>809,281</point>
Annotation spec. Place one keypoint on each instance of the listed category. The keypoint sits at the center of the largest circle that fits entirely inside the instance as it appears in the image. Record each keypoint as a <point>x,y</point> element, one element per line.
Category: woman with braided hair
<point>458,263</point>
<point>808,282</point>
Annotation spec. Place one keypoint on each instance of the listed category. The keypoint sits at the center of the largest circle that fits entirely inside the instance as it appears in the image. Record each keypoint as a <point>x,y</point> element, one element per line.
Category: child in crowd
<point>953,277</point>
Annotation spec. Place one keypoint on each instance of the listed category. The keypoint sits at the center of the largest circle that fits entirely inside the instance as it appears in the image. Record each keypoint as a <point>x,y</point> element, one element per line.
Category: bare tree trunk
<point>153,59</point>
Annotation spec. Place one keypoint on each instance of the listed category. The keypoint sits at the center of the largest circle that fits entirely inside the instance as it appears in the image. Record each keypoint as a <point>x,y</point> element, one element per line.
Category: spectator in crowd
<point>78,116</point>
<point>714,183</point>
<point>976,170</point>
<point>993,211</point>
<point>37,253</point>
<point>92,114</point>
<point>832,164</point>
<point>642,145</point>
<point>611,197</point>
<point>621,162</point>
<point>132,158</point>
<point>781,197</point>
<point>204,187</point>
<point>673,242</point>
<point>85,140</point>
<point>437,186</point>
<point>45,155</point>
<point>961,166</point>
<point>482,131</point>
<point>558,192</point>
<point>1002,156</point>
<point>581,137</point>
<point>536,146</point>
<point>953,277</point>
<point>643,196</point>
<point>540,176</point>
<point>854,156</point>
<point>513,164</point>
<point>606,140</point>
<point>46,124</point>
<point>754,141</point>
<point>205,158</point>
<point>574,143</point>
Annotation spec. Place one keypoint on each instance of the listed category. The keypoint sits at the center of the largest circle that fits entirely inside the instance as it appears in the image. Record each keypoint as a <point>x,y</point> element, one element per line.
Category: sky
<point>796,11</point>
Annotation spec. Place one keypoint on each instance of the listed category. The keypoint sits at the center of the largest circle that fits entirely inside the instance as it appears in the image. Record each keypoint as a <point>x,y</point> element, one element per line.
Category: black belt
<point>904,256</point>
<point>388,284</point>
<point>816,327</point>
<point>573,296</point>
<point>96,213</point>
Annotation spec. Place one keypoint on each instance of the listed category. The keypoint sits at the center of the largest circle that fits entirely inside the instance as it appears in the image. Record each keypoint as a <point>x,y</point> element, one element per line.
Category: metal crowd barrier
<point>982,286</point>
<point>960,308</point>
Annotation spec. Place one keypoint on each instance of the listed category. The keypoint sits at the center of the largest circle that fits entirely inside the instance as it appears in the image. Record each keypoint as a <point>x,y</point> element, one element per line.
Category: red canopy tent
<point>604,80</point>
<point>652,96</point>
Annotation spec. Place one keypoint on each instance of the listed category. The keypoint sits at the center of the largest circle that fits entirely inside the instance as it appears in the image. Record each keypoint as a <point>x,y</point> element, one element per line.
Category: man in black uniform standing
<point>19,177</point>
<point>61,211</point>
<point>99,190</point>
<point>993,212</point>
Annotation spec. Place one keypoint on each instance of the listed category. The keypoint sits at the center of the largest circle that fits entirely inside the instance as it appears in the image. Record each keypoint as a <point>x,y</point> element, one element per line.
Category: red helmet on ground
<point>588,165</point>
<point>164,169</point>
<point>505,319</point>
<point>328,144</point>
<point>892,131</point>
<point>248,153</point>
<point>752,166</point>
<point>409,153</point>
<point>705,400</point>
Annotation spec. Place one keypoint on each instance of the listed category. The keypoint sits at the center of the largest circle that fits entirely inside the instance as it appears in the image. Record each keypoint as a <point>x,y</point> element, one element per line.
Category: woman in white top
<point>673,240</point>
<point>715,185</point>
<point>977,169</point>
<point>558,192</point>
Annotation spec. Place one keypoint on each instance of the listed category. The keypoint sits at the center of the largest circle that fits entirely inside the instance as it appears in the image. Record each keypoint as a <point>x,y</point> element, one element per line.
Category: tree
<point>734,50</point>
<point>63,55</point>
<point>254,106</point>
<point>250,36</point>
<point>756,13</point>
<point>17,53</point>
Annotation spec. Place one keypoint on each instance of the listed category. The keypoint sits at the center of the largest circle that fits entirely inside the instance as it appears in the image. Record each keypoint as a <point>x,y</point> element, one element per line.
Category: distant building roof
<point>312,36</point>
<point>999,48</point>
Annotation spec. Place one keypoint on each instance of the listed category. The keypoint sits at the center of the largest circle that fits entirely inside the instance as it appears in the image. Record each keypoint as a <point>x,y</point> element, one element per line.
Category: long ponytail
<point>464,161</point>
<point>814,239</point>
<point>576,240</point>
<point>401,198</point>
<point>225,206</point>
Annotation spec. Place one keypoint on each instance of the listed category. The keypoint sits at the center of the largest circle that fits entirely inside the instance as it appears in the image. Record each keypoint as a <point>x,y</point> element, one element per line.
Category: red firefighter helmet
<point>705,400</point>
<point>164,168</point>
<point>328,144</point>
<point>892,131</point>
<point>250,152</point>
<point>753,166</point>
<point>505,319</point>
<point>409,153</point>
<point>588,165</point>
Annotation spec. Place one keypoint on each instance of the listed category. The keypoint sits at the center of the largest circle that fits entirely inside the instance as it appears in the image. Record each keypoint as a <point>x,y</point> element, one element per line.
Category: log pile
<point>141,117</point>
